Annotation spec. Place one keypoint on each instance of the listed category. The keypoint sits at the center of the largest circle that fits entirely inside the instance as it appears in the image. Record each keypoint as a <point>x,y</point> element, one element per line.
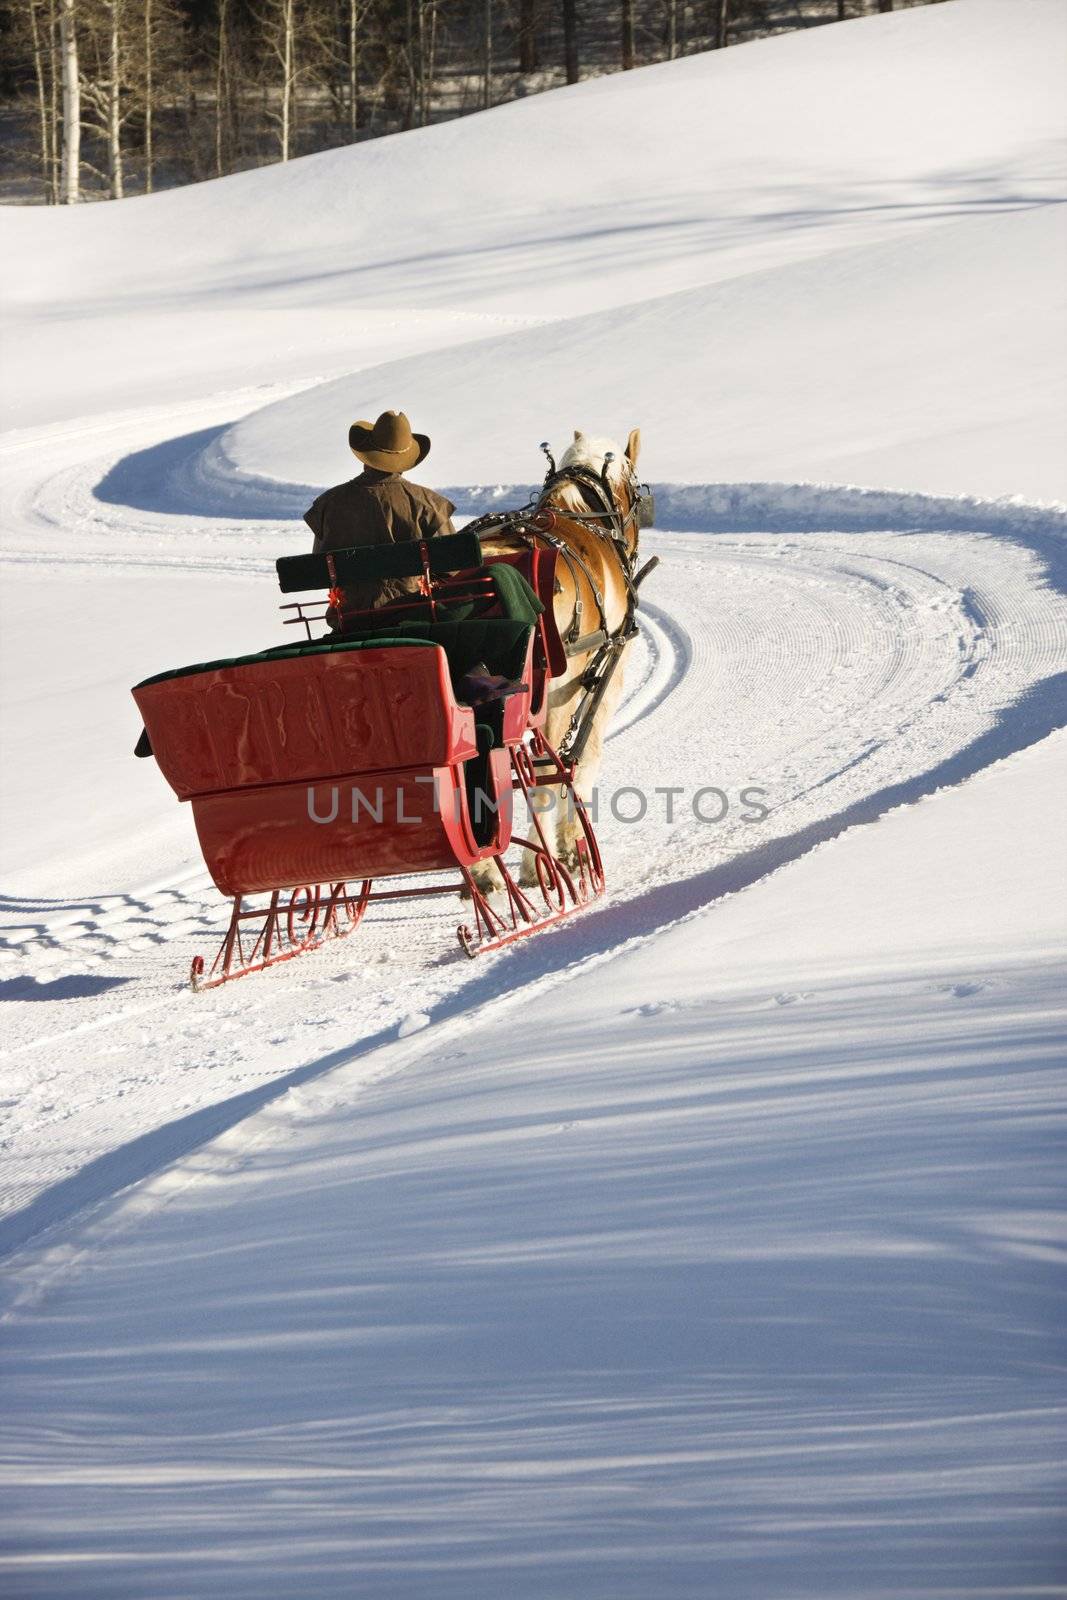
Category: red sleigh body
<point>351,761</point>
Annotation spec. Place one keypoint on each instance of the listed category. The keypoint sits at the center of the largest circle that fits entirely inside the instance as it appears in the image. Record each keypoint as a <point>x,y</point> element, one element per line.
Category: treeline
<point>111,97</point>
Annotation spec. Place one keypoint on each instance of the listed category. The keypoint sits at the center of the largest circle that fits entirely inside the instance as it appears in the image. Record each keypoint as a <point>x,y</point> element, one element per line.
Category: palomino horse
<point>588,512</point>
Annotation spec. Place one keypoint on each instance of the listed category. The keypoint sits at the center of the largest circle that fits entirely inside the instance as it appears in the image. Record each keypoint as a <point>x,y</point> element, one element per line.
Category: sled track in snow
<point>842,666</point>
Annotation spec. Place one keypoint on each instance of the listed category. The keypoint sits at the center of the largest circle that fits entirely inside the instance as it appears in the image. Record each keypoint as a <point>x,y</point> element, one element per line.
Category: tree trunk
<point>285,131</point>
<point>53,97</point>
<point>354,68</point>
<point>627,35</point>
<point>885,5</point>
<point>47,165</point>
<point>528,57</point>
<point>570,39</point>
<point>431,58</point>
<point>487,79</point>
<point>222,91</point>
<point>72,107</point>
<point>672,29</point>
<point>842,10</point>
<point>722,24</point>
<point>149,95</point>
<point>114,118</point>
<point>410,63</point>
<point>425,74</point>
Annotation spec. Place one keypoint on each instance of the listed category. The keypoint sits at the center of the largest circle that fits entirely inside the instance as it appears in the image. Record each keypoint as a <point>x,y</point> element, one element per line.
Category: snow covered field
<point>741,1272</point>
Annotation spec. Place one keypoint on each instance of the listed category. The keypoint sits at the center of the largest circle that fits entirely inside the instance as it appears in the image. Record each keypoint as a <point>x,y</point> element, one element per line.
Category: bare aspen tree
<point>722,25</point>
<point>287,57</point>
<point>487,53</point>
<point>672,29</point>
<point>387,52</point>
<point>528,54</point>
<point>570,40</point>
<point>416,60</point>
<point>155,49</point>
<point>425,35</point>
<point>627,35</point>
<point>107,85</point>
<point>53,95</point>
<point>431,55</point>
<point>222,87</point>
<point>353,68</point>
<point>278,23</point>
<point>410,63</point>
<point>232,72</point>
<point>44,74</point>
<point>313,46</point>
<point>70,180</point>
<point>149,97</point>
<point>114,105</point>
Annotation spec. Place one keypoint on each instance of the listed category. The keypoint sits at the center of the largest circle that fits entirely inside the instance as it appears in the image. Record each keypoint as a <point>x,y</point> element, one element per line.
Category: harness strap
<point>594,486</point>
<point>520,525</point>
<point>587,642</point>
<point>607,644</point>
<point>598,675</point>
<point>594,683</point>
<point>574,560</point>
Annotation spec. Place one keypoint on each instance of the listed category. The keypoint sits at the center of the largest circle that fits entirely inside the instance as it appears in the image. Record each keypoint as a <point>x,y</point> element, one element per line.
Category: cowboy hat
<point>389,444</point>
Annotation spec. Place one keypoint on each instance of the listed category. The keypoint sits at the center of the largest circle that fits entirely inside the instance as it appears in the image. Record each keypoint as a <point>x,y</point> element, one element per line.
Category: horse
<point>588,511</point>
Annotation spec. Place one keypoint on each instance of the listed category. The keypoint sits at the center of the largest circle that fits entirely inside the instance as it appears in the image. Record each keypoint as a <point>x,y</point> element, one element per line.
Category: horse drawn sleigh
<point>325,775</point>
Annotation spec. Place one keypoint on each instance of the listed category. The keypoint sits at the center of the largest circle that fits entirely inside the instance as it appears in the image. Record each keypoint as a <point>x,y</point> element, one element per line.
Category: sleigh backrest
<point>428,559</point>
<point>303,713</point>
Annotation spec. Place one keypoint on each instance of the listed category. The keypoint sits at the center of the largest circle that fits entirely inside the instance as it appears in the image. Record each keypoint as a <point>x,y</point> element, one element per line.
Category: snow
<point>705,1244</point>
<point>743,1286</point>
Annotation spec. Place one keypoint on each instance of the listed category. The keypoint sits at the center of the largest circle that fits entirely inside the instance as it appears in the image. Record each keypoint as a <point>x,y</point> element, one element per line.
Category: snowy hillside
<point>705,1245</point>
<point>845,368</point>
<point>690,173</point>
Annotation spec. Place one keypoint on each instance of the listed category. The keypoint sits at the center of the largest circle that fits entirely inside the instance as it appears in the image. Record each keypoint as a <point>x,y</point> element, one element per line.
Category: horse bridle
<point>607,522</point>
<point>535,521</point>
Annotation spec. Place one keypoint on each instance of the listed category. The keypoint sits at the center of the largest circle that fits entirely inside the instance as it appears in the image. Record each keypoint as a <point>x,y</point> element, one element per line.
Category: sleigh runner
<point>324,775</point>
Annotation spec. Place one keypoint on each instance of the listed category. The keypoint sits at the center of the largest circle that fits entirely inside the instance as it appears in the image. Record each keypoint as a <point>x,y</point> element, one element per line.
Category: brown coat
<point>377,508</point>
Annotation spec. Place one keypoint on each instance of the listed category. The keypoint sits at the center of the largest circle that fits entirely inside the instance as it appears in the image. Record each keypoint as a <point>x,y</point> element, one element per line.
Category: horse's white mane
<point>587,451</point>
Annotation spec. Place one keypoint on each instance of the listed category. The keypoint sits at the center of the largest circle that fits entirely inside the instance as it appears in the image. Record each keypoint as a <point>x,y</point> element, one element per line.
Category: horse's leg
<point>486,875</point>
<point>553,799</point>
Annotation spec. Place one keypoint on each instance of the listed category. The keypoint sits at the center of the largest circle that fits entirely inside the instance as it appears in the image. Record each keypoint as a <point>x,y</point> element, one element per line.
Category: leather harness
<point>602,518</point>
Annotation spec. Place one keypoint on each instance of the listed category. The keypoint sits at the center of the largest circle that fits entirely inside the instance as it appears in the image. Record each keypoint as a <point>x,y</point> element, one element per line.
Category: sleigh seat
<point>456,584</point>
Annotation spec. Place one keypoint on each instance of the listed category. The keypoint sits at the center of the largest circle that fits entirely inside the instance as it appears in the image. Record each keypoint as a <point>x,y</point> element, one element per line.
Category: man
<point>380,506</point>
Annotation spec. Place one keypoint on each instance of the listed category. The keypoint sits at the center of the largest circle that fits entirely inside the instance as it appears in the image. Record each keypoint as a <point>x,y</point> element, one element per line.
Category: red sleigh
<point>321,773</point>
